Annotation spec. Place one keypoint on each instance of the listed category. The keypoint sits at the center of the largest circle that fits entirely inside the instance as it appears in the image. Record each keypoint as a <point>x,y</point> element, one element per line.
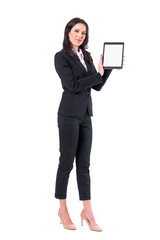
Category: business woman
<point>78,75</point>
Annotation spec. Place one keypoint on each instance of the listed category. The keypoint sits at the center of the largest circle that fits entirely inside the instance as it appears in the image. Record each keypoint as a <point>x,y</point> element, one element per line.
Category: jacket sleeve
<point>69,80</point>
<point>105,76</point>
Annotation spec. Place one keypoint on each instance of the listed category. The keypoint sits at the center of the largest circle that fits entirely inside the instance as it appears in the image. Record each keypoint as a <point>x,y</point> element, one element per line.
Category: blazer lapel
<point>88,66</point>
<point>82,67</point>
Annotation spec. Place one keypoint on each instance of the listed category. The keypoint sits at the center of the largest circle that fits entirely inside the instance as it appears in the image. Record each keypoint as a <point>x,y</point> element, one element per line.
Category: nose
<point>80,35</point>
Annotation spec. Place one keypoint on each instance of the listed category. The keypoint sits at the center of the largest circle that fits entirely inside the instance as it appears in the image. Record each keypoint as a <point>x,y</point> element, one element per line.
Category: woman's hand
<point>123,62</point>
<point>100,66</point>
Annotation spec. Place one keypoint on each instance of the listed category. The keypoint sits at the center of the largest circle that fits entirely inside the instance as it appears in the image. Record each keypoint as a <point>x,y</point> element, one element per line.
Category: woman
<point>78,75</point>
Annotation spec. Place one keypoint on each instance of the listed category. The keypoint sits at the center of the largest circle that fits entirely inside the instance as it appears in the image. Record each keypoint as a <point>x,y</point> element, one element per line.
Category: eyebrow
<point>79,29</point>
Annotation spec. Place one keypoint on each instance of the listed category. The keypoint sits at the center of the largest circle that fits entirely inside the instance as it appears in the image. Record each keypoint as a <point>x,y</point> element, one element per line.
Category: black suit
<point>77,84</point>
<point>74,121</point>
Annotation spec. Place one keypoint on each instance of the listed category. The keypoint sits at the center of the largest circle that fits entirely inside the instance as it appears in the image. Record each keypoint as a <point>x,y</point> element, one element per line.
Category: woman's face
<point>77,35</point>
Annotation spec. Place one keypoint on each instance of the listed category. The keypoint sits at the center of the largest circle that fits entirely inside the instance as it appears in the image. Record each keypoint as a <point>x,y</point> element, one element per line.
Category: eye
<point>84,33</point>
<point>76,31</point>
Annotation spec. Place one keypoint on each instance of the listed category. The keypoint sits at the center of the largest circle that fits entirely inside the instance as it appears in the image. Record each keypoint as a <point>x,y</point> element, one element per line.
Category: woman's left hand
<point>123,60</point>
<point>100,66</point>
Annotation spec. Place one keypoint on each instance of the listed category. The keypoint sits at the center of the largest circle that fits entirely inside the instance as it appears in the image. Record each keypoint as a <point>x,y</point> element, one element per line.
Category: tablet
<point>113,55</point>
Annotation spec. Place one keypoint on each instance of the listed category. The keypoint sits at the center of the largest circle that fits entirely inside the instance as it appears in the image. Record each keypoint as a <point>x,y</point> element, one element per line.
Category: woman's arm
<point>105,76</point>
<point>68,79</point>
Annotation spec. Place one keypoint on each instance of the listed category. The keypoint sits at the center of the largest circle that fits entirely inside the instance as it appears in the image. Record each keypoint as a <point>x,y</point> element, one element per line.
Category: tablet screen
<point>113,54</point>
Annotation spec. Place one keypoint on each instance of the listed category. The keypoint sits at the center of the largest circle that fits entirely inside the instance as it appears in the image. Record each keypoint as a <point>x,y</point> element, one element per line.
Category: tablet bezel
<point>113,43</point>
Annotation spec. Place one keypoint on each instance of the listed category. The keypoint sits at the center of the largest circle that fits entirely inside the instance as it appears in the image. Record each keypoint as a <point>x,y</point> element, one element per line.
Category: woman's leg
<point>83,158</point>
<point>82,164</point>
<point>68,138</point>
<point>64,212</point>
<point>88,212</point>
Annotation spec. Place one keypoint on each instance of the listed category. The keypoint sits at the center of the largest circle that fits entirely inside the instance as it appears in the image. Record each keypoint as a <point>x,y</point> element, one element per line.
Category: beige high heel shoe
<point>66,226</point>
<point>93,228</point>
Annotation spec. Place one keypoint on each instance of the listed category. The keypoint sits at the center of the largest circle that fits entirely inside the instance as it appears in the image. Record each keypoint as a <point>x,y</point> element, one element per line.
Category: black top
<point>77,84</point>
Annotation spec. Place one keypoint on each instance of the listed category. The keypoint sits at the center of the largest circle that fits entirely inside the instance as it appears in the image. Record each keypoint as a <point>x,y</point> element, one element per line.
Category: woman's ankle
<point>63,205</point>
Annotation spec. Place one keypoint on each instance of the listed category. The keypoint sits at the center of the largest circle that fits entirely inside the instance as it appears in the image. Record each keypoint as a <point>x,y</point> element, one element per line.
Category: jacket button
<point>87,93</point>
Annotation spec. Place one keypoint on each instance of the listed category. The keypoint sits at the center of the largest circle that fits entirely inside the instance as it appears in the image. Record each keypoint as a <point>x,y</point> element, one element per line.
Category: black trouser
<point>75,142</point>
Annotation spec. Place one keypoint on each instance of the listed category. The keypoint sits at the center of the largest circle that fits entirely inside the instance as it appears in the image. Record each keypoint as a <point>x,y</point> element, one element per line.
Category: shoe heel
<point>93,228</point>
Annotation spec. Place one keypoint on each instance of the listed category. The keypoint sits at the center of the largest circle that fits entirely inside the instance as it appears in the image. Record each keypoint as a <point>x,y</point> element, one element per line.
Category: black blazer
<point>77,84</point>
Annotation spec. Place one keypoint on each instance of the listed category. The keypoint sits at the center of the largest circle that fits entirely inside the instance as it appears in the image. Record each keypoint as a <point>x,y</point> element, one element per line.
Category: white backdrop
<point>125,152</point>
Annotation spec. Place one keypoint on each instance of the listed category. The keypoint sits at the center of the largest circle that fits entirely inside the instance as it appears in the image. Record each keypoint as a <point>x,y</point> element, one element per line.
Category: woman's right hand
<point>100,66</point>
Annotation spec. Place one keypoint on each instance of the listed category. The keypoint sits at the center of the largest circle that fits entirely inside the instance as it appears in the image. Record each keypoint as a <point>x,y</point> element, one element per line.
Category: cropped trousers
<point>75,139</point>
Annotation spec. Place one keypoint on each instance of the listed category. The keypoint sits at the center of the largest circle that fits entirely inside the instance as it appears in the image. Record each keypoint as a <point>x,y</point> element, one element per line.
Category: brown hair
<point>67,46</point>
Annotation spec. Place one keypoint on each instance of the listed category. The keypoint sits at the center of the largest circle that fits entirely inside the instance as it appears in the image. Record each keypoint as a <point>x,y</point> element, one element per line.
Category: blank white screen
<point>112,55</point>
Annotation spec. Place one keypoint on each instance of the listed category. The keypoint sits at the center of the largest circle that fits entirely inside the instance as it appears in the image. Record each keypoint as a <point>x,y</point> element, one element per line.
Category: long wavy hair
<point>67,45</point>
